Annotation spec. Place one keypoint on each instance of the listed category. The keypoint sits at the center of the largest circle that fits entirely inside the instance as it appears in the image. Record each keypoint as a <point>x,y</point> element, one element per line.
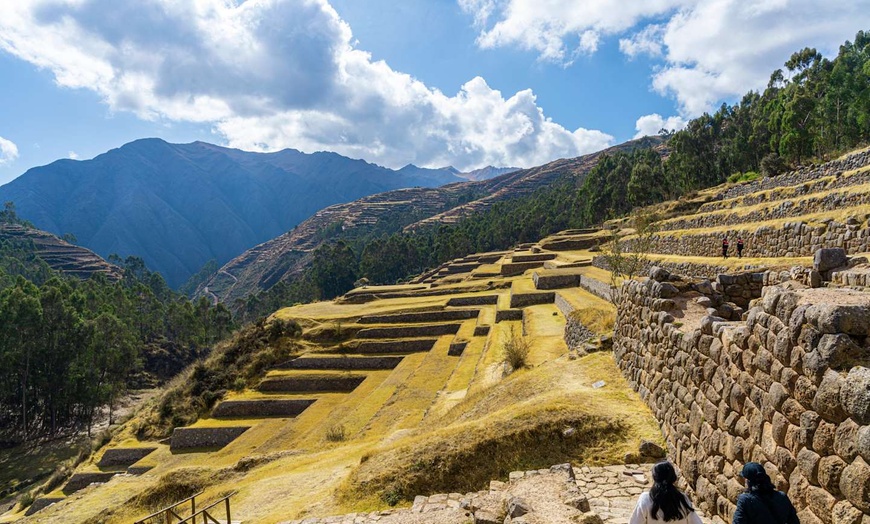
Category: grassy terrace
<point>431,408</point>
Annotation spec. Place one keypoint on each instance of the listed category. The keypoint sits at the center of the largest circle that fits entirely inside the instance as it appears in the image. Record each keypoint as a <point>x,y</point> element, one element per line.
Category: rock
<point>833,318</point>
<point>855,394</point>
<point>705,287</point>
<point>827,259</point>
<point>579,502</point>
<point>862,446</point>
<point>815,279</point>
<point>485,517</point>
<point>659,274</point>
<point>846,513</point>
<point>563,468</point>
<point>517,507</point>
<point>855,484</point>
<point>588,518</point>
<point>704,302</point>
<point>651,449</point>
<point>667,290</point>
<point>569,432</point>
<point>827,401</point>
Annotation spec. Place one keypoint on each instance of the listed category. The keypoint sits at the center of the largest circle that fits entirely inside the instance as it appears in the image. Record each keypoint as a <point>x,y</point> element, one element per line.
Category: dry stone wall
<point>780,210</point>
<point>834,168</point>
<point>787,388</point>
<point>791,239</point>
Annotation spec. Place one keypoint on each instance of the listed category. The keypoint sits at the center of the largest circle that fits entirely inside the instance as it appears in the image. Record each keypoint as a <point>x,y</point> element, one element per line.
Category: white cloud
<point>269,74</point>
<point>651,124</point>
<point>8,151</point>
<point>73,155</point>
<point>708,50</point>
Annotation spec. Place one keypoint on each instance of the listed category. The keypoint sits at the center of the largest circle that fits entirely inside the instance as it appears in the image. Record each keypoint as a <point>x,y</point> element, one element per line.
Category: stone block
<point>855,484</point>
<point>855,394</point>
<point>829,258</point>
<point>827,400</point>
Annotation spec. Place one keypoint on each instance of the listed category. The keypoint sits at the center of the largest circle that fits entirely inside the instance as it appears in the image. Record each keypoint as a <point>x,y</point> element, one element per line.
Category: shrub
<point>336,433</point>
<point>738,178</point>
<point>516,350</point>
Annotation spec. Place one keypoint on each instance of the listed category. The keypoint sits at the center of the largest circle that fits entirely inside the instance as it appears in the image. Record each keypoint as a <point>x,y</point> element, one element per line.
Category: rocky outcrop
<point>786,388</point>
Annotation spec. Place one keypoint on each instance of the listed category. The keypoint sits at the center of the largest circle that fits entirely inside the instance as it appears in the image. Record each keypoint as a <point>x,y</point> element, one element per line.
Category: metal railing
<point>170,514</point>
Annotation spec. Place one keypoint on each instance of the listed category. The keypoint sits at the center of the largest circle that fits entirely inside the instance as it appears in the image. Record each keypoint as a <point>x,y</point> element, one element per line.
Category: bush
<point>738,178</point>
<point>336,433</point>
<point>516,350</point>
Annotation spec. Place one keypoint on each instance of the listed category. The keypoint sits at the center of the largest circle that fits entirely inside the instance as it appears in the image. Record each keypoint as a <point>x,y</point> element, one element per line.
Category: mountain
<point>287,255</point>
<point>59,254</point>
<point>484,173</point>
<point>179,206</point>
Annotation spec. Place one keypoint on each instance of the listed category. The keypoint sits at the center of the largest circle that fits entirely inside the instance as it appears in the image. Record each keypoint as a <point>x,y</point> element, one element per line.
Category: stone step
<point>478,300</point>
<point>204,439</point>
<point>536,257</point>
<point>508,314</point>
<point>343,362</point>
<point>518,268</point>
<point>311,383</point>
<point>261,408</point>
<point>519,300</point>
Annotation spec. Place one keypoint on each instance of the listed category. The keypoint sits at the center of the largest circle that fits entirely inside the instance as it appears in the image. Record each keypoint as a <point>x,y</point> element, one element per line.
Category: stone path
<point>594,495</point>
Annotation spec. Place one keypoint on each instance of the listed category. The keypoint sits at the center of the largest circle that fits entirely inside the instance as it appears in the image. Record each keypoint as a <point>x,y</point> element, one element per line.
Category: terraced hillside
<point>381,380</point>
<point>286,256</point>
<point>61,255</point>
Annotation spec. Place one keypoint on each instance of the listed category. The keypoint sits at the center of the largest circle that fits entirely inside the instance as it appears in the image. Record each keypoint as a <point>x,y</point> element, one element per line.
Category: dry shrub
<point>599,321</point>
<point>178,485</point>
<point>516,350</point>
<point>336,433</point>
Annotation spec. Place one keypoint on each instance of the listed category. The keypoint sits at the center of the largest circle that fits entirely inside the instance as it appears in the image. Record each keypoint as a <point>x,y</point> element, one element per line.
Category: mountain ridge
<point>180,205</point>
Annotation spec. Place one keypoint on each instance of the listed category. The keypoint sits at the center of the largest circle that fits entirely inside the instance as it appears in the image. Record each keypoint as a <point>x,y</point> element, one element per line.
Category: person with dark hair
<point>762,503</point>
<point>739,247</point>
<point>725,247</point>
<point>664,502</point>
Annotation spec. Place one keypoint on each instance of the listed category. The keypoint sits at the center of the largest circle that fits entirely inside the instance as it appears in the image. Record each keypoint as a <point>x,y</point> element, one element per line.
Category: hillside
<point>60,255</point>
<point>180,205</point>
<point>287,256</point>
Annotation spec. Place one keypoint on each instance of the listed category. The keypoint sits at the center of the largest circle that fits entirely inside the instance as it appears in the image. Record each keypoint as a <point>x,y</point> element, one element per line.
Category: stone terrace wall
<point>835,167</point>
<point>780,210</point>
<point>779,389</point>
<point>791,239</point>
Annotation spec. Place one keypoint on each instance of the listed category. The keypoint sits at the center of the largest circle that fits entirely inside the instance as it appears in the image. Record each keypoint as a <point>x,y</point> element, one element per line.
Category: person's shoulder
<point>745,497</point>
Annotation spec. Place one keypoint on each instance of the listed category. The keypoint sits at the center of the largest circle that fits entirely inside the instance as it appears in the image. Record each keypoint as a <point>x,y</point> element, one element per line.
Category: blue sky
<point>433,82</point>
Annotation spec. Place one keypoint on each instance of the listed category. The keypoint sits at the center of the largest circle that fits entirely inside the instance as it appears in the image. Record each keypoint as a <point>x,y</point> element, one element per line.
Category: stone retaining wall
<point>421,316</point>
<point>780,210</point>
<point>261,408</point>
<point>481,331</point>
<point>691,269</point>
<point>393,346</point>
<point>794,178</point>
<point>435,330</point>
<point>518,268</point>
<point>343,363</point>
<point>456,348</point>
<point>80,481</point>
<point>311,383</point>
<point>204,438</point>
<point>519,300</point>
<point>555,279</point>
<point>41,503</point>
<point>538,257</point>
<point>792,239</point>
<point>779,389</point>
<point>482,300</point>
<point>596,287</point>
<point>508,314</point>
<point>123,456</point>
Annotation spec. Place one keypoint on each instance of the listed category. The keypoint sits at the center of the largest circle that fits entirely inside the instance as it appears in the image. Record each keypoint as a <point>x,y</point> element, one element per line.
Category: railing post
<point>193,505</point>
<point>229,519</point>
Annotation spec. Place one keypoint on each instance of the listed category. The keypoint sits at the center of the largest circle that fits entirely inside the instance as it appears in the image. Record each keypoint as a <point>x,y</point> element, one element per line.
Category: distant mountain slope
<point>60,255</point>
<point>181,205</point>
<point>485,173</point>
<point>283,257</point>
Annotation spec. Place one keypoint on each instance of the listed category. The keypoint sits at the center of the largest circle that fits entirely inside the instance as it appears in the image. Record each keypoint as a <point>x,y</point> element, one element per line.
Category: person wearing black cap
<point>762,503</point>
<point>664,503</point>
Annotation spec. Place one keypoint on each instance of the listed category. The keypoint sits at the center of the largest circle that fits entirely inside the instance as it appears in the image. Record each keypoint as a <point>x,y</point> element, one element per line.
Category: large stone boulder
<point>855,394</point>
<point>827,259</point>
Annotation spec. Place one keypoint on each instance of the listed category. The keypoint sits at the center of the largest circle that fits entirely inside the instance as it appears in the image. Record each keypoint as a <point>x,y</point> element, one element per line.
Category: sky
<point>467,83</point>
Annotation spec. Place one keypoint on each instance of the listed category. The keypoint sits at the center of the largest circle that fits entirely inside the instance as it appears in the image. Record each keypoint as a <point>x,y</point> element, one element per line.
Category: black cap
<point>754,472</point>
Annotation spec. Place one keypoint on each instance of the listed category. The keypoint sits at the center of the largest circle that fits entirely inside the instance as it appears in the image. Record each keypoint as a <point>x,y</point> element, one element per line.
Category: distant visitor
<point>762,503</point>
<point>664,502</point>
<point>739,247</point>
<point>725,247</point>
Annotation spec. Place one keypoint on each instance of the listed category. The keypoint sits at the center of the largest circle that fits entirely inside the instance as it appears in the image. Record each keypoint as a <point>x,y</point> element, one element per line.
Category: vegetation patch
<point>467,460</point>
